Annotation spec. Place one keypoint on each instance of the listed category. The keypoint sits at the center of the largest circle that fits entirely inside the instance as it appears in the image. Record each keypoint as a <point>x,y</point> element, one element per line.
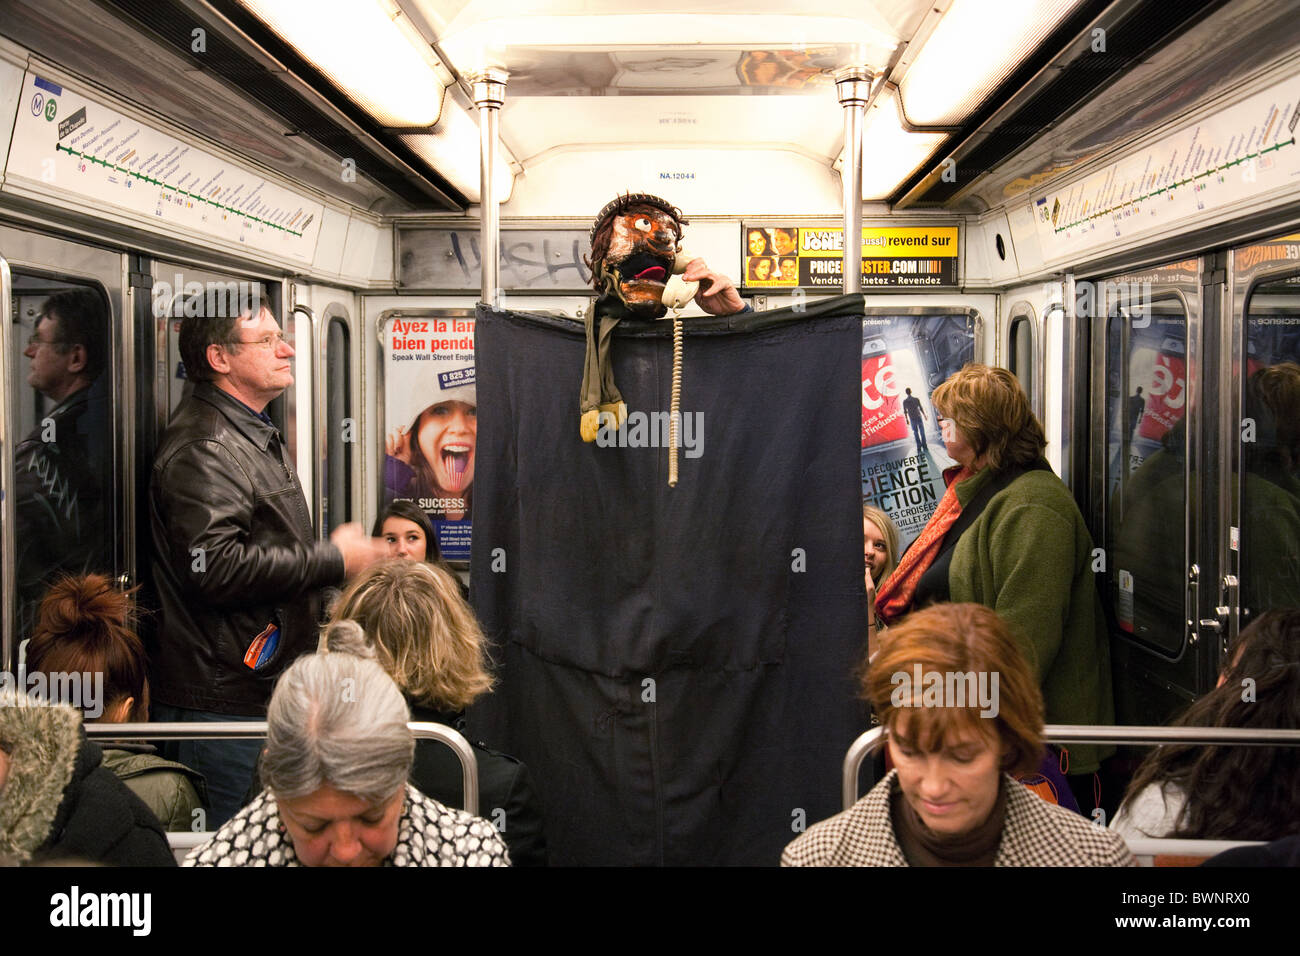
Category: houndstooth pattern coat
<point>1036,833</point>
<point>428,834</point>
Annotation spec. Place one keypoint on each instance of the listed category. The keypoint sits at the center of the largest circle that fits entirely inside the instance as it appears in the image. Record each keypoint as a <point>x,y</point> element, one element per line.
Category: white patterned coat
<point>428,834</point>
<point>1036,833</point>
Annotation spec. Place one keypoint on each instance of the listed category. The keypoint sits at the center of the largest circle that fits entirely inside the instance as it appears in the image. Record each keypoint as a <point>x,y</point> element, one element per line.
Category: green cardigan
<point>1028,556</point>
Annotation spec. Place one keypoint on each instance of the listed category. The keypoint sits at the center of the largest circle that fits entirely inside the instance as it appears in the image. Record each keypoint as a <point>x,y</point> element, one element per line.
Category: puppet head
<point>633,244</point>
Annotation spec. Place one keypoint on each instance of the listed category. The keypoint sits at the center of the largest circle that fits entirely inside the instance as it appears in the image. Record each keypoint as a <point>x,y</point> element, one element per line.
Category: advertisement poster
<point>431,422</point>
<point>1152,399</point>
<point>799,257</point>
<point>904,358</point>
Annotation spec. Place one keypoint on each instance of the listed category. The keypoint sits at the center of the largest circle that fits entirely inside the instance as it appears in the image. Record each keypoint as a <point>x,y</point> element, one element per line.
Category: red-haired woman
<point>962,711</point>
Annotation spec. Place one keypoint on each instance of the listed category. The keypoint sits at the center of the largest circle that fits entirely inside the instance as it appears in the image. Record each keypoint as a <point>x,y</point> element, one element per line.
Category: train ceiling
<point>387,82</point>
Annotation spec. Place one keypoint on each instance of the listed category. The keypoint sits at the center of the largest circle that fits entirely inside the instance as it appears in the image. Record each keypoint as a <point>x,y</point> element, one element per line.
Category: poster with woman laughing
<point>431,423</point>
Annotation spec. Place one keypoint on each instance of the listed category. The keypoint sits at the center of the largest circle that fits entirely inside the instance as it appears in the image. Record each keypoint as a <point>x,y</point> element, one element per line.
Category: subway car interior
<point>1100,196</point>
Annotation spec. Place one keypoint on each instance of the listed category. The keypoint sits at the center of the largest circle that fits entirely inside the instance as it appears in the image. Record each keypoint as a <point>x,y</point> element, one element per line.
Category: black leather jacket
<point>61,493</point>
<point>233,552</point>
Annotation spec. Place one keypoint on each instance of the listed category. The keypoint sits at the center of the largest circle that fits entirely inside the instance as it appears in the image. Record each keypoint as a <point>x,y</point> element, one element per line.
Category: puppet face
<point>641,252</point>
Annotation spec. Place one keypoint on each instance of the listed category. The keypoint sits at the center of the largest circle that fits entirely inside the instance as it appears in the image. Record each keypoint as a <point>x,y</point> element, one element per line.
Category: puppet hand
<point>717,295</point>
<point>398,444</point>
<point>590,425</point>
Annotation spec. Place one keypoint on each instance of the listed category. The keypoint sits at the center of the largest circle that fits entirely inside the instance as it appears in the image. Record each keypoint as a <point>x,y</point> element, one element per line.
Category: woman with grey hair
<point>338,753</point>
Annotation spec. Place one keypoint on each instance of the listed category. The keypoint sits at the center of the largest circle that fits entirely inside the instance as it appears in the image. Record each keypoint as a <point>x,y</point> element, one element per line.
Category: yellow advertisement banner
<point>789,257</point>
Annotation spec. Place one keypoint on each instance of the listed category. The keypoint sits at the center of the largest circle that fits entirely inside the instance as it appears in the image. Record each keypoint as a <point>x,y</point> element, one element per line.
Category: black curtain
<point>676,664</point>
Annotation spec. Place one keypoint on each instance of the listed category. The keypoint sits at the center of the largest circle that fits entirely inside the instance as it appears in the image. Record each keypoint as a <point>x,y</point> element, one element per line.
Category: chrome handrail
<point>869,742</point>
<point>256,730</point>
<point>1147,846</point>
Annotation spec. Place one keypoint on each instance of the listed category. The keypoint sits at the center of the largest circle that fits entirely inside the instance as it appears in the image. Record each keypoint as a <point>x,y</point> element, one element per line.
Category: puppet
<point>636,256</point>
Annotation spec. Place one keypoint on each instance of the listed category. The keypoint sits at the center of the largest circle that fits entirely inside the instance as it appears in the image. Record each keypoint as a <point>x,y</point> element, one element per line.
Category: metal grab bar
<point>869,742</point>
<point>1147,846</point>
<point>256,730</point>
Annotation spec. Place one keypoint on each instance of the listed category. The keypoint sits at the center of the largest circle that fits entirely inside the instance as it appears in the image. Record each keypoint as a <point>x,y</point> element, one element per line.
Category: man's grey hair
<point>337,718</point>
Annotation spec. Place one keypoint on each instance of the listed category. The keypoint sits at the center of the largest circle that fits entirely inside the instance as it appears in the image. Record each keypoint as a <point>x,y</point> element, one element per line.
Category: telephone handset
<point>678,293</point>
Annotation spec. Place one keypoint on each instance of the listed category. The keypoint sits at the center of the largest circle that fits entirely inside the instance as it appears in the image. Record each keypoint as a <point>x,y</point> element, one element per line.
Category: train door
<point>68,422</point>
<point>1261,550</point>
<point>336,430</point>
<point>1154,489</point>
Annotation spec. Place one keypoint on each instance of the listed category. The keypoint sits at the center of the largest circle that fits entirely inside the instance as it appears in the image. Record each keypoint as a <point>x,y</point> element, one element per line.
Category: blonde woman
<point>879,550</point>
<point>428,640</point>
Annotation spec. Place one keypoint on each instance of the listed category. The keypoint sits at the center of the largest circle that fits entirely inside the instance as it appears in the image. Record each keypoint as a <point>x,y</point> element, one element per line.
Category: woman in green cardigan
<point>1007,534</point>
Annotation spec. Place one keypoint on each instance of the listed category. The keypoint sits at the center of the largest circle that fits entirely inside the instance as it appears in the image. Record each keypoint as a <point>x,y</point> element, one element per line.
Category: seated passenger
<point>962,712</point>
<point>58,803</point>
<point>880,551</point>
<point>427,638</point>
<point>338,754</point>
<point>1232,792</point>
<point>407,531</point>
<point>1283,852</point>
<point>83,627</point>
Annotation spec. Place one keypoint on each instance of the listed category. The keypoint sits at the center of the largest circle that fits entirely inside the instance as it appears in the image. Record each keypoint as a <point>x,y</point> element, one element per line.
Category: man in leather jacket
<point>235,563</point>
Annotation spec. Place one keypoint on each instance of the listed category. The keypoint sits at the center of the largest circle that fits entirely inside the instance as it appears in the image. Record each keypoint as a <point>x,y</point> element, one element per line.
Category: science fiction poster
<point>431,423</point>
<point>904,357</point>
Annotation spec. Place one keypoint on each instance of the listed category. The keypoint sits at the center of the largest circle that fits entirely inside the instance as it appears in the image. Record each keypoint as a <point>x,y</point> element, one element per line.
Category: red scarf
<point>894,599</point>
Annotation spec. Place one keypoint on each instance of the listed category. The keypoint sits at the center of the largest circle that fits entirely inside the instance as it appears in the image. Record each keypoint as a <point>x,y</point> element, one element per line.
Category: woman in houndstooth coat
<point>962,712</point>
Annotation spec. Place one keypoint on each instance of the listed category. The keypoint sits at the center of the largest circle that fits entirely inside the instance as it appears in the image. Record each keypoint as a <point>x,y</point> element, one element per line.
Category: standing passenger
<point>1007,534</point>
<point>235,562</point>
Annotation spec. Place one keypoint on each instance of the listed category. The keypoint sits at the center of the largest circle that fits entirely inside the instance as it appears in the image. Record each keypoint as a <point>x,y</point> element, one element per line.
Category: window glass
<point>1020,353</point>
<point>1147,469</point>
<point>62,416</point>
<point>1270,449</point>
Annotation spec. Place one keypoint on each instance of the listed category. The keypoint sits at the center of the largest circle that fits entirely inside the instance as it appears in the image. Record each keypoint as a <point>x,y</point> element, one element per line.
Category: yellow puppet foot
<point>618,410</point>
<point>590,425</point>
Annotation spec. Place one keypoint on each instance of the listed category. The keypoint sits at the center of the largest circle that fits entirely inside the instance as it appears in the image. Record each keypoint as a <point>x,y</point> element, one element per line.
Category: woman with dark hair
<point>84,626</point>
<point>408,532</point>
<point>1190,791</point>
<point>1007,534</point>
<point>962,711</point>
<point>760,270</point>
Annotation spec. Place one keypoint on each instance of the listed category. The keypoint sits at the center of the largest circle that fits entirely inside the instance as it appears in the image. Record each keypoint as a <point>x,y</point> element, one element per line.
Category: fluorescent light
<point>364,51</point>
<point>889,154</point>
<point>973,49</point>
<point>453,150</point>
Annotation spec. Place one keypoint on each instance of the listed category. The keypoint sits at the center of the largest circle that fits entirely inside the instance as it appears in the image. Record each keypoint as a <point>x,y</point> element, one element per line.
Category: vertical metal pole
<point>852,86</point>
<point>9,547</point>
<point>489,94</point>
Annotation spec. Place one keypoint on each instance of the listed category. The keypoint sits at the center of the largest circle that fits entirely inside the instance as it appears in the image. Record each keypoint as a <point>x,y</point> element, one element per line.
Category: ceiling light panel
<point>366,50</point>
<point>974,48</point>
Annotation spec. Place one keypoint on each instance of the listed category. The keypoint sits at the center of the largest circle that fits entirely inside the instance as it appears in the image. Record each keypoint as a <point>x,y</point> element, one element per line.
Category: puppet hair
<point>603,228</point>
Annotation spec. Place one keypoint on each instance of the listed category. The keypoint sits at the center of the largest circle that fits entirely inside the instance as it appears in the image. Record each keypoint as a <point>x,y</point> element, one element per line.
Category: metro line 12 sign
<point>804,257</point>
